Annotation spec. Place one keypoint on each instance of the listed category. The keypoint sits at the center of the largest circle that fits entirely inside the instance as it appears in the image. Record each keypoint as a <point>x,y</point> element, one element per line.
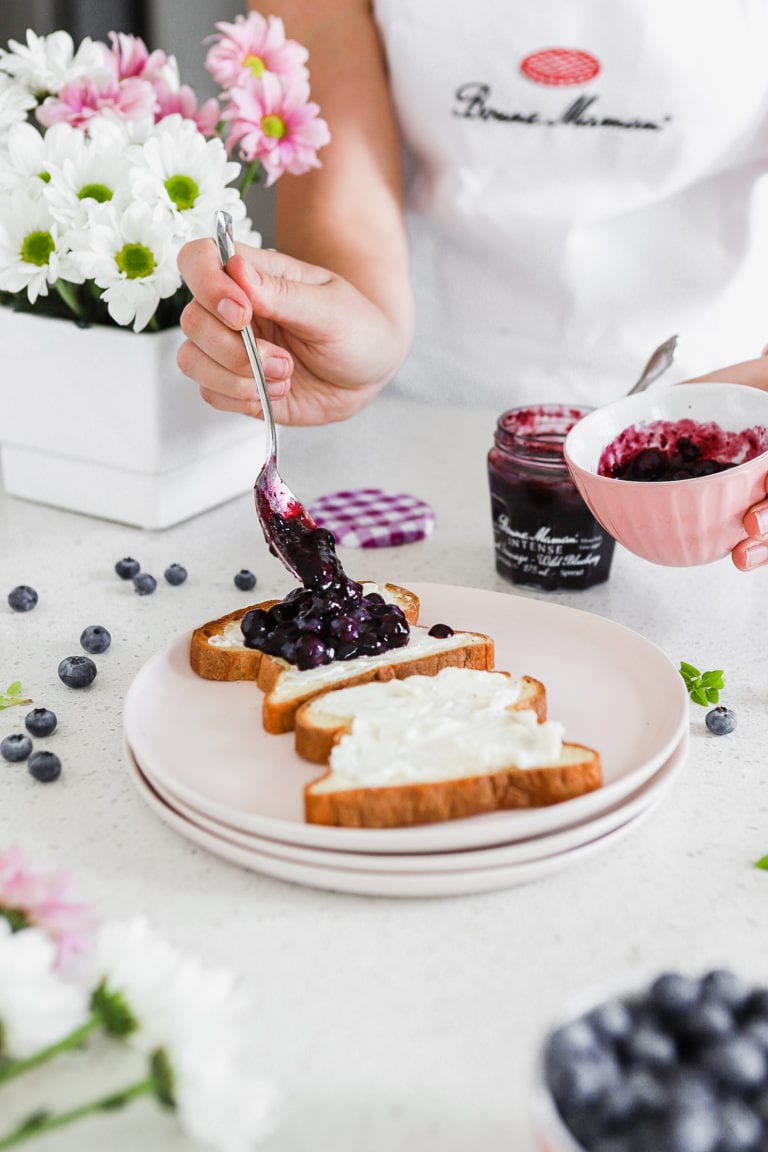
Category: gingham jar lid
<point>373,518</point>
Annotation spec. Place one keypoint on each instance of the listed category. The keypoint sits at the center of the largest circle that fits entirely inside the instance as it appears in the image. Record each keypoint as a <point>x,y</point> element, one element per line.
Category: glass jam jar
<point>544,534</point>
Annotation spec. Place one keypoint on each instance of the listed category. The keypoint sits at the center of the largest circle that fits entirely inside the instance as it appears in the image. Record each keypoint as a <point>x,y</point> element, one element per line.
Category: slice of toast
<point>286,688</point>
<point>448,752</point>
<point>217,650</point>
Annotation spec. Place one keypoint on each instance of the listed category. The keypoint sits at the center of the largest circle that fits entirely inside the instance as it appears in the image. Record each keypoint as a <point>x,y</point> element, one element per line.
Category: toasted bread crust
<point>315,743</point>
<point>280,715</point>
<point>397,807</point>
<point>216,663</point>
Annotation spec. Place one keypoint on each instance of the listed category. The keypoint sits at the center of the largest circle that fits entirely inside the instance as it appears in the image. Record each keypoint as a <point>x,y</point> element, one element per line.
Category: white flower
<point>187,175</point>
<point>32,253</point>
<point>30,158</point>
<point>88,171</point>
<point>15,102</point>
<point>201,1020</point>
<point>132,257</point>
<point>46,63</point>
<point>37,1007</point>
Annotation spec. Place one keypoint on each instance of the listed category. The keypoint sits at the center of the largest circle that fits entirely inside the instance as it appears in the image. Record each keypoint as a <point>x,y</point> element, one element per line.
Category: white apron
<point>584,178</point>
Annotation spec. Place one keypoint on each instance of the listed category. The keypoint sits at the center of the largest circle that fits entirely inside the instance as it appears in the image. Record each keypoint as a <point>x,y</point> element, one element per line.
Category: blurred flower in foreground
<point>42,899</point>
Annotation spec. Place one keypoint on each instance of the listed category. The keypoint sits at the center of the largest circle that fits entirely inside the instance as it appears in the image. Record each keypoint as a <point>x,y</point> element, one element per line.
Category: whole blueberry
<point>144,584</point>
<point>723,985</point>
<point>95,639</point>
<point>720,720</point>
<point>22,598</point>
<point>245,580</point>
<point>77,671</point>
<point>688,1131</point>
<point>44,766</point>
<point>673,993</point>
<point>16,747</point>
<point>40,721</point>
<point>611,1020</point>
<point>127,568</point>
<point>175,574</point>
<point>741,1127</point>
<point>737,1062</point>
<point>441,631</point>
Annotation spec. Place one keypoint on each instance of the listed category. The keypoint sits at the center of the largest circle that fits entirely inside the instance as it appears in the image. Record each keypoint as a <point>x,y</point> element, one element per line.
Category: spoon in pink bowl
<point>284,520</point>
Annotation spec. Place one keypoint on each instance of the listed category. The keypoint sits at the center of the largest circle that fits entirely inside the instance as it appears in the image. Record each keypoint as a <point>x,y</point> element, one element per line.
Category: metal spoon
<point>276,505</point>
<point>658,363</point>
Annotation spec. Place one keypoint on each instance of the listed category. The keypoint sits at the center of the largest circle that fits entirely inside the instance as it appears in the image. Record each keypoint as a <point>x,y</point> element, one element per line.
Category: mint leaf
<point>762,863</point>
<point>12,695</point>
<point>703,687</point>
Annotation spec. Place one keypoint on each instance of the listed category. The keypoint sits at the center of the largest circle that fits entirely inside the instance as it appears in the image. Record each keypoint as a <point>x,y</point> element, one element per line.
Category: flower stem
<point>41,1122</point>
<point>13,1068</point>
<point>69,296</point>
<point>250,176</point>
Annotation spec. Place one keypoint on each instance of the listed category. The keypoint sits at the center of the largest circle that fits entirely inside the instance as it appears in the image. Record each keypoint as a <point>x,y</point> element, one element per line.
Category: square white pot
<point>100,420</point>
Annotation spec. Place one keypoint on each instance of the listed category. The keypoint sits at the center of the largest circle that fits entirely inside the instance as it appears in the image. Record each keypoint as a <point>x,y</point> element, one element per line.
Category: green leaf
<point>712,695</point>
<point>688,671</point>
<point>713,679</point>
<point>762,863</point>
<point>699,696</point>
<point>14,689</point>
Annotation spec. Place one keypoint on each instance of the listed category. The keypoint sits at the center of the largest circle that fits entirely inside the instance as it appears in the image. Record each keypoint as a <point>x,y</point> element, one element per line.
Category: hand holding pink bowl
<point>682,522</point>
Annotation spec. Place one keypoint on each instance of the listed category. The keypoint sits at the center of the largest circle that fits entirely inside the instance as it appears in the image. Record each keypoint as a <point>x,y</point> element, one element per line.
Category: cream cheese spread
<point>431,728</point>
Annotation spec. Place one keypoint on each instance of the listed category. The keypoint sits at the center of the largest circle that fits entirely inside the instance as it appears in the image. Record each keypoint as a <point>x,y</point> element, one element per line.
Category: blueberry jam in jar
<point>329,617</point>
<point>544,534</point>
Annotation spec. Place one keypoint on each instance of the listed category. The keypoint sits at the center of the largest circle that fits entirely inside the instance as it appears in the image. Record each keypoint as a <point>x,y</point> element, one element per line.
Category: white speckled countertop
<point>387,1023</point>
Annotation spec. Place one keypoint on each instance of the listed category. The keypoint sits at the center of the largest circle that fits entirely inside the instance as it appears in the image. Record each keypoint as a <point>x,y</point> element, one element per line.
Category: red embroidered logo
<point>559,67</point>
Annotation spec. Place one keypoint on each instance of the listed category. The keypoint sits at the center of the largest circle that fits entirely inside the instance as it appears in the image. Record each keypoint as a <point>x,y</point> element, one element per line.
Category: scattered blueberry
<point>95,639</point>
<point>44,766</point>
<point>175,574</point>
<point>144,584</point>
<point>441,631</point>
<point>16,747</point>
<point>127,568</point>
<point>720,720</point>
<point>680,1067</point>
<point>245,580</point>
<point>77,671</point>
<point>40,721</point>
<point>22,598</point>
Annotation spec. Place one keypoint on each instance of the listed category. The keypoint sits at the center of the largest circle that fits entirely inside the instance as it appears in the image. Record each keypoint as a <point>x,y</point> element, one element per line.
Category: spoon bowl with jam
<point>670,473</point>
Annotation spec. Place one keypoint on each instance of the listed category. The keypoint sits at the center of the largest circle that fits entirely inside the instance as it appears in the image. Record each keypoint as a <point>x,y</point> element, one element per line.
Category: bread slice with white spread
<point>437,748</point>
<point>286,688</point>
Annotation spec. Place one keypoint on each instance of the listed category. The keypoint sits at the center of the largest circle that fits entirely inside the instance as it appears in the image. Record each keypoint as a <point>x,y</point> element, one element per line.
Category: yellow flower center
<point>273,126</point>
<point>183,191</point>
<point>135,260</point>
<point>254,64</point>
<point>37,248</point>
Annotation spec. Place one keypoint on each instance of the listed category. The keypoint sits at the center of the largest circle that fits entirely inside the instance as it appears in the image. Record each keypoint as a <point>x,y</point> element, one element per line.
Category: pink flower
<point>130,54</point>
<point>40,899</point>
<point>80,100</point>
<point>277,124</point>
<point>252,46</point>
<point>184,101</point>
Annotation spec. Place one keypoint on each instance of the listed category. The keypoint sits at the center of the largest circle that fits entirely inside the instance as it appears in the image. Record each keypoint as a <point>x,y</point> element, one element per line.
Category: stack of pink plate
<point>200,758</point>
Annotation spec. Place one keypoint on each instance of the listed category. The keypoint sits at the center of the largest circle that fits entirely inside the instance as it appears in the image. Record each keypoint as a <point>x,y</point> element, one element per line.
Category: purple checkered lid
<point>373,518</point>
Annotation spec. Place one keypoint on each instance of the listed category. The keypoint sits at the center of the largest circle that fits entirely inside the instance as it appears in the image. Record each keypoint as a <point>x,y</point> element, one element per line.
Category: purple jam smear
<point>662,450</point>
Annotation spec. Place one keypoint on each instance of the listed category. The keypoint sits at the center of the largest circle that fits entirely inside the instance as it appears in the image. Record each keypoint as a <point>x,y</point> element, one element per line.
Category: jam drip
<point>663,450</point>
<point>329,618</point>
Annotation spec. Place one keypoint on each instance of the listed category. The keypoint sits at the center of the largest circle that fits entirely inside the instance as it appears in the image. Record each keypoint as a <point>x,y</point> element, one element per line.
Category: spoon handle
<point>658,363</point>
<point>226,245</point>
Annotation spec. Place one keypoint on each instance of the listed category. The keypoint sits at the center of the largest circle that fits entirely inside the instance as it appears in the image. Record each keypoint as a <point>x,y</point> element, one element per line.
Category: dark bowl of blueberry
<point>678,1064</point>
<point>670,473</point>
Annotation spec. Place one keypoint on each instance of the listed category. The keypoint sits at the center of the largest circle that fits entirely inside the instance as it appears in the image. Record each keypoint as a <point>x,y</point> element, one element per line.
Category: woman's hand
<point>326,348</point>
<point>753,552</point>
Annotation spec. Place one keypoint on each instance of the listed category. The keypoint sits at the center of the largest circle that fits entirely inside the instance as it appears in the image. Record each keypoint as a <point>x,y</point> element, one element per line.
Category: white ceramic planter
<point>101,421</point>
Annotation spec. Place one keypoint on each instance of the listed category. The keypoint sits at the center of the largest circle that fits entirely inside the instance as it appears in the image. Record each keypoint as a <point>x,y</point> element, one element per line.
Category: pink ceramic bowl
<point>676,522</point>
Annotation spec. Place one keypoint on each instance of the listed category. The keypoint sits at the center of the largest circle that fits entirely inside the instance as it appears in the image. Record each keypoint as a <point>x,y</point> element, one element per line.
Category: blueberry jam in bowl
<point>673,1061</point>
<point>670,472</point>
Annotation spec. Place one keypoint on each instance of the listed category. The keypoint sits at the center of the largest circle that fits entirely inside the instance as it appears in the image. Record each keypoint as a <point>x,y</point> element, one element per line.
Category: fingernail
<point>276,367</point>
<point>758,521</point>
<point>230,313</point>
<point>755,554</point>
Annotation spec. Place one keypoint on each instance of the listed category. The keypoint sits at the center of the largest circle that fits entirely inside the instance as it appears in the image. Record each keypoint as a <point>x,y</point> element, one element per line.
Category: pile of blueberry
<point>327,619</point>
<point>681,1067</point>
<point>42,765</point>
<point>685,461</point>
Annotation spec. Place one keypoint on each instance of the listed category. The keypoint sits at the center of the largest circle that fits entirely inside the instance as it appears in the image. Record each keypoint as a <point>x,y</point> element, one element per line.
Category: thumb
<point>286,291</point>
